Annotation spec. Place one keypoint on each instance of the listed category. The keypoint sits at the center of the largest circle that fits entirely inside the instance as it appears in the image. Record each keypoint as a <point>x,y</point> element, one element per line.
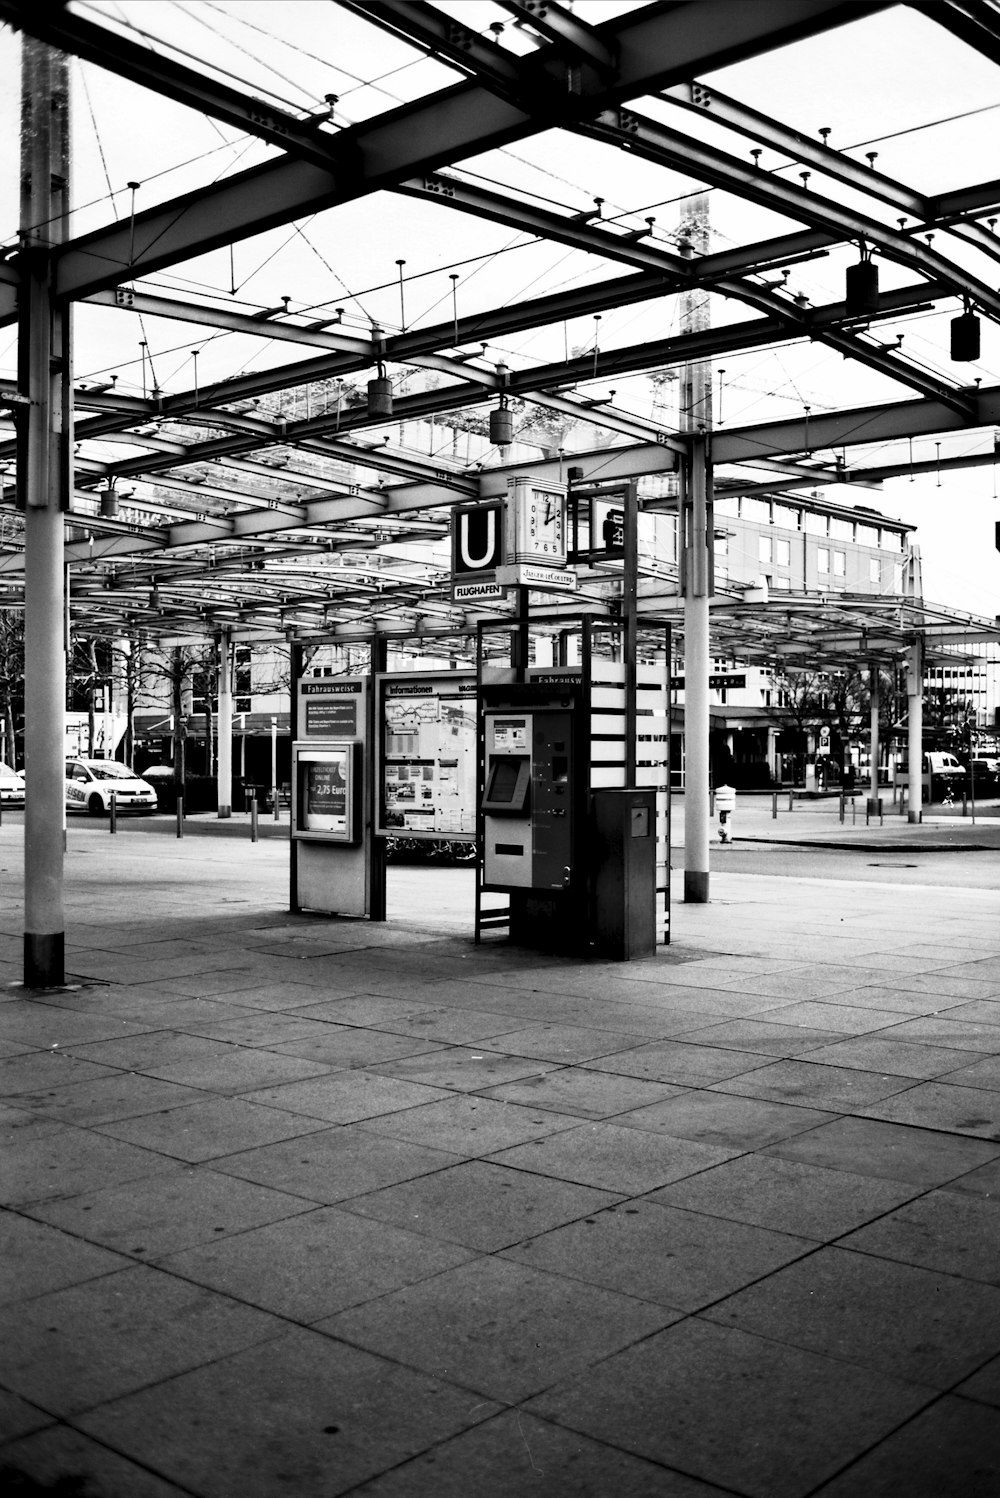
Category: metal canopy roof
<point>234,301</point>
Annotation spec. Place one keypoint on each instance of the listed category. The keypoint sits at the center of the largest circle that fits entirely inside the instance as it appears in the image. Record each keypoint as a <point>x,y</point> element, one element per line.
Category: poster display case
<point>326,792</point>
<point>427,755</point>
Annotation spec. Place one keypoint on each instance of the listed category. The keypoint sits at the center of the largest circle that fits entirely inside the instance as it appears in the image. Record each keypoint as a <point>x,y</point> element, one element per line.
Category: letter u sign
<point>477,538</point>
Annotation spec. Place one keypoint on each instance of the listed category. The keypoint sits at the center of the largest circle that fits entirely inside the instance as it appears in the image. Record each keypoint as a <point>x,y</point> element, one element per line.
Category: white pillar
<point>874,681</point>
<point>915,733</point>
<point>45,481</point>
<point>696,670</point>
<point>224,764</point>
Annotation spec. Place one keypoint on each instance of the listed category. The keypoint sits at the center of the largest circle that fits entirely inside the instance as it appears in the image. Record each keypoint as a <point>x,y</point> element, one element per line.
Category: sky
<point>893,83</point>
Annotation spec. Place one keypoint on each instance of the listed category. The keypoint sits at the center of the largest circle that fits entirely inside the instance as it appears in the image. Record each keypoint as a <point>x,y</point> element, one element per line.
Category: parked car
<point>89,783</point>
<point>11,786</point>
<point>985,775</point>
<point>947,775</point>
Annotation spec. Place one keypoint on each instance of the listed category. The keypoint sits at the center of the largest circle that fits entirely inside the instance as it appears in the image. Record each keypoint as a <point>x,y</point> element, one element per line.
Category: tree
<point>11,684</point>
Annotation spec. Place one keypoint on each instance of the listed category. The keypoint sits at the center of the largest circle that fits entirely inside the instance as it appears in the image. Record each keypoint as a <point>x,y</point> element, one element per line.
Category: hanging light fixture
<point>109,500</point>
<point>965,335</point>
<point>502,417</point>
<point>380,393</point>
<point>861,287</point>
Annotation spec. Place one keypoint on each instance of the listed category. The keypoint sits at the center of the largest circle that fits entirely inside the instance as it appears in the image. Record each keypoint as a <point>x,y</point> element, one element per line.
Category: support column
<point>696,670</point>
<point>875,694</point>
<point>224,766</point>
<point>44,451</point>
<point>915,732</point>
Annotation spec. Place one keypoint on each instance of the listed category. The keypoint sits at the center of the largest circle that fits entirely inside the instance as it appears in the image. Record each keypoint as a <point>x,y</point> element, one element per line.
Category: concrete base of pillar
<point>914,816</point>
<point>44,960</point>
<point>225,812</point>
<point>695,887</point>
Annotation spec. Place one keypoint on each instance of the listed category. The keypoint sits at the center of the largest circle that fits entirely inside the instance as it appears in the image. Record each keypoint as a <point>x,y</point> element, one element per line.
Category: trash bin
<point>725,806</point>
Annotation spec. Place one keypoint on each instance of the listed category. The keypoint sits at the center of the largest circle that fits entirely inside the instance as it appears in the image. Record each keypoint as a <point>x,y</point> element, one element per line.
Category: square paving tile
<point>766,1037</point>
<point>323,1418</point>
<point>627,1161</point>
<point>841,1089</point>
<point>951,1450</point>
<point>890,1151</point>
<point>347,1046</point>
<point>755,1417</point>
<point>562,1042</point>
<point>462,1068</point>
<point>41,1072</point>
<point>582,1093</point>
<point>347,1096</point>
<point>469,1125</point>
<point>35,1259</point>
<point>680,1062</point>
<point>660,1253</point>
<point>205,1130</point>
<point>786,1195</point>
<point>515,1453</point>
<point>175,1210</point>
<point>737,1123</point>
<point>114,1095</point>
<point>18,1418</point>
<point>56,1457</point>
<point>952,1232</point>
<point>334,1164</point>
<point>62,1161</point>
<point>482,1206</point>
<point>945,1106</point>
<point>888,1052</point>
<point>75,1348</point>
<point>315,1264</point>
<point>945,1030</point>
<point>926,1327</point>
<point>448,1326</point>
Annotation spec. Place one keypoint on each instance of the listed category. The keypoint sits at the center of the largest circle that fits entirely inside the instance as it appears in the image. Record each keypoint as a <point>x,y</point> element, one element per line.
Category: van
<point>946,776</point>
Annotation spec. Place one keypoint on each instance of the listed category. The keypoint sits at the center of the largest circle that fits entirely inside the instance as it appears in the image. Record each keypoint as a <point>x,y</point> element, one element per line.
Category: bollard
<point>774,806</point>
<point>274,802</point>
<point>843,803</point>
<point>180,816</point>
<point>965,804</point>
<point>113,819</point>
<point>789,800</point>
<point>253,819</point>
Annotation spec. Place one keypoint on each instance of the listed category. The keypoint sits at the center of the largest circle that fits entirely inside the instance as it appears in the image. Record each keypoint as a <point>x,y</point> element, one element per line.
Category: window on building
<point>781,584</point>
<point>764,548</point>
<point>782,552</point>
<point>721,546</point>
<point>822,559</point>
<point>840,563</point>
<point>756,509</point>
<point>840,529</point>
<point>816,525</point>
<point>874,570</point>
<point>867,535</point>
<point>787,516</point>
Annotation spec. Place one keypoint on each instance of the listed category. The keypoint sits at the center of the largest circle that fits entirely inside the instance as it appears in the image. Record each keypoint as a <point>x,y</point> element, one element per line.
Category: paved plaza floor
<point>308,1207</point>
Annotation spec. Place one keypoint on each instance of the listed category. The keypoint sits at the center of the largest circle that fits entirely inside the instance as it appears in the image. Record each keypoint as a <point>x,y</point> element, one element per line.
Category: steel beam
<point>657,45</point>
<point>645,137</point>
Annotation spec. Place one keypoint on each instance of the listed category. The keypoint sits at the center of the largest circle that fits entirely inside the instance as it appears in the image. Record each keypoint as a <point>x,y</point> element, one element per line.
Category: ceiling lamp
<point>109,498</point>
<point>502,418</point>
<point>861,290</point>
<point>380,393</point>
<point>965,335</point>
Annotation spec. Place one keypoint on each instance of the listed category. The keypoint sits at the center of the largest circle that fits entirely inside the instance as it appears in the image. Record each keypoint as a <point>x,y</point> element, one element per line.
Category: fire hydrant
<point>725,805</point>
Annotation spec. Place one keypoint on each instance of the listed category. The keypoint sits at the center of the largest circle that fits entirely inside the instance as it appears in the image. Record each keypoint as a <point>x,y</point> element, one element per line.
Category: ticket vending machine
<point>532,809</point>
<point>528,808</point>
<point>330,842</point>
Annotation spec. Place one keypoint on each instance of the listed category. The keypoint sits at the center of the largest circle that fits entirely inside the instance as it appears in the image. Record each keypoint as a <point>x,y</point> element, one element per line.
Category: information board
<point>427,763</point>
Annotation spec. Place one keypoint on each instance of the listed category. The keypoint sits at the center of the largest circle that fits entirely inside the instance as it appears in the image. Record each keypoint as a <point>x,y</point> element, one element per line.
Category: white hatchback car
<point>90,782</point>
<point>11,786</point>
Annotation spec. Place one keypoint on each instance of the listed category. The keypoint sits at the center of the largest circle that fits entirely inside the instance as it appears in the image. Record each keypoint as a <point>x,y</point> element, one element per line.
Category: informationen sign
<point>427,769</point>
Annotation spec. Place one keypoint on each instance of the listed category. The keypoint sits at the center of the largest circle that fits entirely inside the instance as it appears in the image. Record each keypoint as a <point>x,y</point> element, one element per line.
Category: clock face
<point>545,525</point>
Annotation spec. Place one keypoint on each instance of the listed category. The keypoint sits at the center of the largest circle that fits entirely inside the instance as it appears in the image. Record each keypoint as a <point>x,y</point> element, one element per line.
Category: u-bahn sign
<point>477,539</point>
